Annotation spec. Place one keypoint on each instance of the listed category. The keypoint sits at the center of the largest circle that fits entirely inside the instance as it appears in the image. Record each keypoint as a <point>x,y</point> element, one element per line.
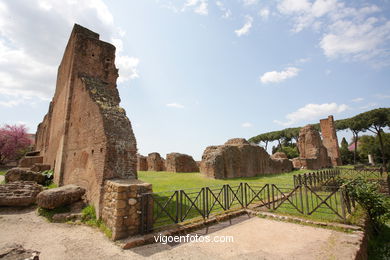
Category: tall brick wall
<point>85,136</point>
<point>329,139</point>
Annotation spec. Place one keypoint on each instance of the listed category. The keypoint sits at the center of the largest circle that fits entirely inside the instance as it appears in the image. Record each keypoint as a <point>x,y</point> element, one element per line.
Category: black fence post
<point>307,202</point>
<point>181,205</point>
<point>273,196</point>
<point>341,190</point>
<point>177,206</point>
<point>207,203</point>
<point>268,197</point>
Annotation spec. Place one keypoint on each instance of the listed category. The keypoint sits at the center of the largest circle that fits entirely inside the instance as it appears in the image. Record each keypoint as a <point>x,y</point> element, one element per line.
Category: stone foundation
<point>122,205</point>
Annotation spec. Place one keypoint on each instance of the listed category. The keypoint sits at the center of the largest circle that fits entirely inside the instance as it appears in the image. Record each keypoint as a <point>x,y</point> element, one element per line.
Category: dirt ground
<point>254,238</point>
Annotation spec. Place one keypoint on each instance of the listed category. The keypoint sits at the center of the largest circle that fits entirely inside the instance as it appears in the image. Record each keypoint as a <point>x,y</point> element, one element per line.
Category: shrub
<point>366,194</point>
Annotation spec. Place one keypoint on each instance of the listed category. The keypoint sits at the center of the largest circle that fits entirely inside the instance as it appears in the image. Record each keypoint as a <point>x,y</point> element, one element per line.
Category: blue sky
<point>196,73</point>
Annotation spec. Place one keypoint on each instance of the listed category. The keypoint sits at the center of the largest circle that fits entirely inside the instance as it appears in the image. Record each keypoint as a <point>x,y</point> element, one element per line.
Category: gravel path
<point>254,238</point>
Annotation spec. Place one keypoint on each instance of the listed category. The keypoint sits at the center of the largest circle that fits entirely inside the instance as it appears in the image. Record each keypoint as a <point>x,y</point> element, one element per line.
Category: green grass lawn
<point>169,181</point>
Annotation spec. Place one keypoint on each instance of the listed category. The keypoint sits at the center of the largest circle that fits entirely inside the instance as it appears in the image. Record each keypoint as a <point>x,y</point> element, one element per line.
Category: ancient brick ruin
<point>312,153</point>
<point>238,158</point>
<point>142,163</point>
<point>329,139</point>
<point>86,136</point>
<point>155,162</point>
<point>178,162</point>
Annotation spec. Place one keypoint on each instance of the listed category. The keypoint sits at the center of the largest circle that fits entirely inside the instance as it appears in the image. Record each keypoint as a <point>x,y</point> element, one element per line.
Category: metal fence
<point>366,173</point>
<point>316,179</point>
<point>160,210</point>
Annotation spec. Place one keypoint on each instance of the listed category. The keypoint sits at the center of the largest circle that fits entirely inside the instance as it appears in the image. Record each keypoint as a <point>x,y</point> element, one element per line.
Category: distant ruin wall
<point>329,139</point>
<point>238,158</point>
<point>155,162</point>
<point>178,162</point>
<point>85,136</point>
<point>312,153</point>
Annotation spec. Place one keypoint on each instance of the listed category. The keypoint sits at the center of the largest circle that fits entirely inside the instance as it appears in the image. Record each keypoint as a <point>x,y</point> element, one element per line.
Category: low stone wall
<point>122,205</point>
<point>19,193</point>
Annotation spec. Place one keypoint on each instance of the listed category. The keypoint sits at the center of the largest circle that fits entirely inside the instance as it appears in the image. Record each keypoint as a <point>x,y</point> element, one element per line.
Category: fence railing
<point>316,179</point>
<point>160,210</point>
<point>366,173</point>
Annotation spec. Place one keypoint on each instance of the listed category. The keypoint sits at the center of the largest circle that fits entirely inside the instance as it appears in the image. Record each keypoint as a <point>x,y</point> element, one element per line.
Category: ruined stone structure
<point>329,139</point>
<point>120,213</point>
<point>281,162</point>
<point>86,136</point>
<point>178,162</point>
<point>142,163</point>
<point>19,193</point>
<point>155,162</point>
<point>238,158</point>
<point>312,153</point>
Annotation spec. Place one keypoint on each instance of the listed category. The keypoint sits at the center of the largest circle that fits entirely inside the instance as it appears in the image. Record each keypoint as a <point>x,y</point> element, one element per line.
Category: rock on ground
<point>57,197</point>
<point>16,252</point>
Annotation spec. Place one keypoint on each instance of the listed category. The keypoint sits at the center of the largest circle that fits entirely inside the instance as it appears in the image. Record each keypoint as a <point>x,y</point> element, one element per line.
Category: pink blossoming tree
<point>14,142</point>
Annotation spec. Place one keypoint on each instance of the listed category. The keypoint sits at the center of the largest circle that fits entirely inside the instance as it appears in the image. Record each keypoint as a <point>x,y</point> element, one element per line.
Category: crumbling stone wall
<point>86,136</point>
<point>122,205</point>
<point>238,158</point>
<point>280,162</point>
<point>142,164</point>
<point>312,153</point>
<point>329,139</point>
<point>178,162</point>
<point>155,162</point>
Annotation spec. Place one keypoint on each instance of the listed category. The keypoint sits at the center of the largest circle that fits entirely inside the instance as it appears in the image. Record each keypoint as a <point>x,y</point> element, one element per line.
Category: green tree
<point>375,121</point>
<point>346,154</point>
<point>370,145</point>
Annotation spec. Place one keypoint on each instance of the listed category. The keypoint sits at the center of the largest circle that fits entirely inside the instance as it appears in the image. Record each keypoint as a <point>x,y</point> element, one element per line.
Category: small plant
<point>49,213</point>
<point>89,218</point>
<point>49,174</point>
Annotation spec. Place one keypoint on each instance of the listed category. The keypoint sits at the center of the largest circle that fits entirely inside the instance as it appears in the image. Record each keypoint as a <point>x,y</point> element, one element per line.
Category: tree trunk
<point>356,136</point>
<point>382,149</point>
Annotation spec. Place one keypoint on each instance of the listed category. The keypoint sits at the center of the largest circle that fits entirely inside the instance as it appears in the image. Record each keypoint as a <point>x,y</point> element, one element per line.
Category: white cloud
<point>353,34</point>
<point>198,6</point>
<point>359,99</point>
<point>312,112</point>
<point>226,12</point>
<point>293,6</point>
<point>246,27</point>
<point>128,68</point>
<point>202,8</point>
<point>250,2</point>
<point>382,96</point>
<point>29,58</point>
<point>175,105</point>
<point>246,125</point>
<point>264,13</point>
<point>279,76</point>
<point>359,40</point>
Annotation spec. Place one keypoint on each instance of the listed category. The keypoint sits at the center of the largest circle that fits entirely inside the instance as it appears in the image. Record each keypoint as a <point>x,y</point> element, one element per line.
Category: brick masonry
<point>329,139</point>
<point>86,136</point>
<point>122,206</point>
